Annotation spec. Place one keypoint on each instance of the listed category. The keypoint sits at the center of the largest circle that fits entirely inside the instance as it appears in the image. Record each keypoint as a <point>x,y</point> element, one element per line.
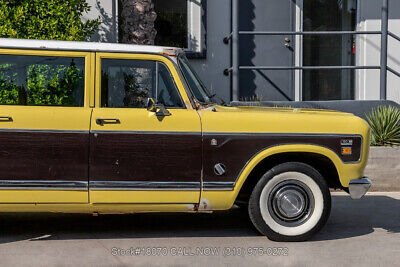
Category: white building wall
<point>368,50</point>
<point>107,11</point>
<point>367,53</point>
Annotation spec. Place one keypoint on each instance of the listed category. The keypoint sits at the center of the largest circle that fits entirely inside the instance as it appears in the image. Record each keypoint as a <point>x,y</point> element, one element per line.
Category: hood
<point>280,120</point>
<point>251,109</point>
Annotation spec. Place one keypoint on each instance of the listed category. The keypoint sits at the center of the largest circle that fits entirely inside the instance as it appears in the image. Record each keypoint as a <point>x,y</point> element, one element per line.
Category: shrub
<point>45,84</point>
<point>46,19</point>
<point>385,126</point>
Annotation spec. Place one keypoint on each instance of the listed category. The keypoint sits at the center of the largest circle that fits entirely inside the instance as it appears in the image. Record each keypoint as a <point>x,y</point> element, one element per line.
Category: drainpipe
<point>235,50</point>
<point>384,46</point>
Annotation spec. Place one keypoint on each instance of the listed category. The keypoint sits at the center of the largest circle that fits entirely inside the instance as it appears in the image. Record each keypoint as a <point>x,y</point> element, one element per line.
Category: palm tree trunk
<point>137,22</point>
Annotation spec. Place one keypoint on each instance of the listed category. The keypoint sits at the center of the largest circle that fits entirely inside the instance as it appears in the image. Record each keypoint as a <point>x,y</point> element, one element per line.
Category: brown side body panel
<point>235,150</point>
<point>42,155</point>
<point>158,157</point>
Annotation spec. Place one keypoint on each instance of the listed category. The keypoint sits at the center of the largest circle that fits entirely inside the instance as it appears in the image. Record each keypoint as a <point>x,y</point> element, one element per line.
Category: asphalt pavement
<point>362,232</point>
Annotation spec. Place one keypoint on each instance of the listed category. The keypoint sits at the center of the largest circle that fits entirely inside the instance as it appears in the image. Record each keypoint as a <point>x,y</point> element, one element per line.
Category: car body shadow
<point>349,218</point>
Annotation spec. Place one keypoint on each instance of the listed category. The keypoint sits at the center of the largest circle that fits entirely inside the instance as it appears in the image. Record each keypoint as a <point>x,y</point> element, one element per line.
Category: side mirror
<point>151,105</point>
<point>159,109</point>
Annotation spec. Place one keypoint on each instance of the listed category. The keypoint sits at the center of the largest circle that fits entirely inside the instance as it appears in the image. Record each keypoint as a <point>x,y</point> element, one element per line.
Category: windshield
<point>198,89</point>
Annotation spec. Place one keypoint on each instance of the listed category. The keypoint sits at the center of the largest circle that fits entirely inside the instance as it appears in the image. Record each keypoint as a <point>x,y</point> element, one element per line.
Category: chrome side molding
<point>112,185</point>
<point>212,186</point>
<point>359,187</point>
<point>147,185</point>
<point>43,185</point>
<point>143,185</point>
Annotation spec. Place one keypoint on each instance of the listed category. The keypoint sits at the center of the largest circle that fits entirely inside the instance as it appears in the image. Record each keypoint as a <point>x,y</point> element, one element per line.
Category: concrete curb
<point>383,168</point>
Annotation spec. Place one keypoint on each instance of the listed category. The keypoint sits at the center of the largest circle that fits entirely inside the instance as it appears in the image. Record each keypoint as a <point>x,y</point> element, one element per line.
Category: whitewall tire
<point>291,202</point>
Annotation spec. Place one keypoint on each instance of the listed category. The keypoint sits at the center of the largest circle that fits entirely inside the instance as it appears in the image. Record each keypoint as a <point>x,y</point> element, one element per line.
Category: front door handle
<point>107,121</point>
<point>6,118</point>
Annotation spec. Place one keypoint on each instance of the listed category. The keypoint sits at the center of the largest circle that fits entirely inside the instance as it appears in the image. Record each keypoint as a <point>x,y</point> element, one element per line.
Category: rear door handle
<point>107,121</point>
<point>6,118</point>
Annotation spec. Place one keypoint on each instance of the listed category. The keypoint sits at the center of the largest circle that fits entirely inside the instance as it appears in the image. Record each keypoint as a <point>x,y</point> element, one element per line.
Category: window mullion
<point>157,74</point>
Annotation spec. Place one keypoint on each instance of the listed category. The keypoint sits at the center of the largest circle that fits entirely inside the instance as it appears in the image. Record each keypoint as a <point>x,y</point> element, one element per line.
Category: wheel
<point>291,202</point>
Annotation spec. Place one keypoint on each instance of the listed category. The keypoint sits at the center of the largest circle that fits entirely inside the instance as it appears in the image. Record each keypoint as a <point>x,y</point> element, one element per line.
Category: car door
<point>135,155</point>
<point>44,126</point>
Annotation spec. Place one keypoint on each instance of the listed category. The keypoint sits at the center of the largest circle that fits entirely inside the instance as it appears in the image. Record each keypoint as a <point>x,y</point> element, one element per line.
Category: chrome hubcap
<point>291,203</point>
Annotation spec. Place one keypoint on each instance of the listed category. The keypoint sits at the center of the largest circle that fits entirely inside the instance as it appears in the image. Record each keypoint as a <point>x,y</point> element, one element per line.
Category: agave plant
<point>385,126</point>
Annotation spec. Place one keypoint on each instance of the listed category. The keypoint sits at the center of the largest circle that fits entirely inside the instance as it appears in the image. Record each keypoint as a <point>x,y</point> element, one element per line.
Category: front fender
<point>220,200</point>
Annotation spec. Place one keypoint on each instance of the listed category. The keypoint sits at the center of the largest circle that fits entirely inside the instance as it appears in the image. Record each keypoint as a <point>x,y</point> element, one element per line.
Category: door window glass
<point>41,80</point>
<point>129,83</point>
<point>329,50</point>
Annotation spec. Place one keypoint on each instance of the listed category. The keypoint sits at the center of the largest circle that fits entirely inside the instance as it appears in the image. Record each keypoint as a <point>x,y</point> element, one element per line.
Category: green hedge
<point>45,85</point>
<point>46,20</point>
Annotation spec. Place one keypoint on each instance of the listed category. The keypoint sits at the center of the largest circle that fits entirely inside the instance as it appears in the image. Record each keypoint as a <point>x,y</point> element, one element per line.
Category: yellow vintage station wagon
<point>113,128</point>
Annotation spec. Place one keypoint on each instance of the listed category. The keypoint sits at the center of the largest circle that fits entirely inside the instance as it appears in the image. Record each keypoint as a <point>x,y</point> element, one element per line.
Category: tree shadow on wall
<point>107,31</point>
<point>263,50</point>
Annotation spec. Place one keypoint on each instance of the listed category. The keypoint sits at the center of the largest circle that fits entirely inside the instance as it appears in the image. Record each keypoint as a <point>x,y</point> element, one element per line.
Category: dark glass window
<point>196,85</point>
<point>171,23</point>
<point>41,80</point>
<point>129,83</point>
<point>328,50</point>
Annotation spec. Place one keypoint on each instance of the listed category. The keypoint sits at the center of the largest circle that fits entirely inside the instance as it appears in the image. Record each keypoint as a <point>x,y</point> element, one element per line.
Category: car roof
<point>85,46</point>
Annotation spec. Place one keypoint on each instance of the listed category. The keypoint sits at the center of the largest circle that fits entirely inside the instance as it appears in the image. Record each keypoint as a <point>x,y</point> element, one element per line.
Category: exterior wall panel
<point>368,50</point>
<point>218,19</point>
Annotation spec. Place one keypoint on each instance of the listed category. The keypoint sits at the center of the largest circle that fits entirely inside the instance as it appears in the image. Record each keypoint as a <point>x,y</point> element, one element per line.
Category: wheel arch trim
<point>281,149</point>
<point>220,200</point>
